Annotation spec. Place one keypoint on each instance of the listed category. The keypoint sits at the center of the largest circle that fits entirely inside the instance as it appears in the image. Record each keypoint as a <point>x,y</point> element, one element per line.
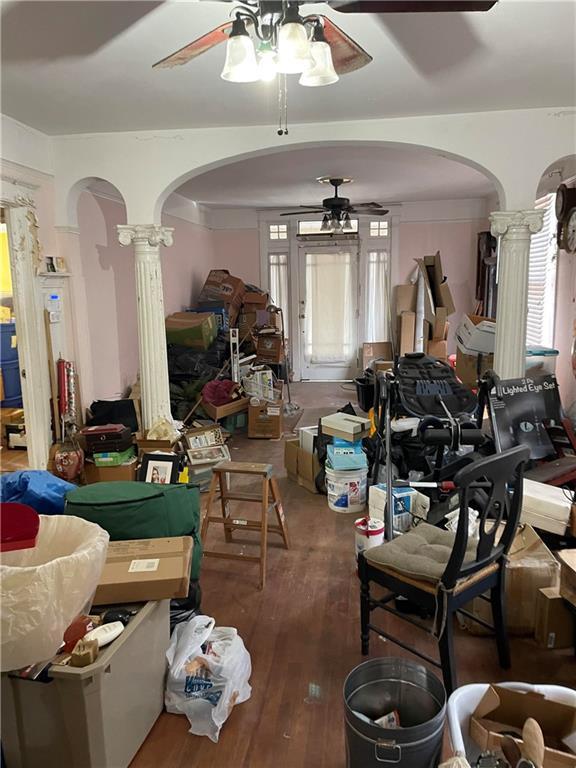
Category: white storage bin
<point>540,360</point>
<point>464,701</point>
<point>96,716</point>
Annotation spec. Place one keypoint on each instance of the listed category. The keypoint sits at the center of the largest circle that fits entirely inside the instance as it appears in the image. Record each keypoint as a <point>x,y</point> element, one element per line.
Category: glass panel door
<point>329,311</point>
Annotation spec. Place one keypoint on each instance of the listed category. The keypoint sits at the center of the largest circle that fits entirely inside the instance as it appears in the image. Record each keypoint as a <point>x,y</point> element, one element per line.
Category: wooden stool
<point>269,488</point>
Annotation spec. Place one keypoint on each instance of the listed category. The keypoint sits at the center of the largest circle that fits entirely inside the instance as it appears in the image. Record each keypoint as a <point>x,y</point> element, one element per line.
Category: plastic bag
<point>208,674</point>
<point>44,588</point>
<point>38,489</point>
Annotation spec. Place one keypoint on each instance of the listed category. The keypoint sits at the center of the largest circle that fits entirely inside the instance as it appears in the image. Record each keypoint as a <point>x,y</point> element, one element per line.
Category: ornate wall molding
<point>522,222</point>
<point>152,234</point>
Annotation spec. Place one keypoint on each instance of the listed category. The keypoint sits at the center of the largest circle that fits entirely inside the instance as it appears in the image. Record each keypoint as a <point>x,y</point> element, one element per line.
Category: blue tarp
<point>39,489</point>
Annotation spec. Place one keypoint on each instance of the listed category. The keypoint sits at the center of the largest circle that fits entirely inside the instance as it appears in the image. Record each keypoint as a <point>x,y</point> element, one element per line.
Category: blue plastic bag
<point>39,489</point>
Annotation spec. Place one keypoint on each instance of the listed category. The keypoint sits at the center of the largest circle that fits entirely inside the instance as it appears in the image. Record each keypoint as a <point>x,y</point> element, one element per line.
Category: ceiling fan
<point>337,209</point>
<point>289,43</point>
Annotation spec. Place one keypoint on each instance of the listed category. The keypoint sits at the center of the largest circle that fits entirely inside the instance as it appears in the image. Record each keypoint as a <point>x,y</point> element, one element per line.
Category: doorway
<point>329,309</point>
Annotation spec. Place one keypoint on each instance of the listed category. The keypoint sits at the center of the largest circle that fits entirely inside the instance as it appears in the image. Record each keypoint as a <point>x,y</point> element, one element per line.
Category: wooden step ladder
<point>270,491</point>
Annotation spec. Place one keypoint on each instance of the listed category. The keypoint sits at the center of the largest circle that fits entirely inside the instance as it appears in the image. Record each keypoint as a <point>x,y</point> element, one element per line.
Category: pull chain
<point>282,105</point>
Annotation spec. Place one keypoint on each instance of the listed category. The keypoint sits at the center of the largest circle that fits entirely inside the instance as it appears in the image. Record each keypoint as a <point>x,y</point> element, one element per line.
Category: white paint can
<point>347,490</point>
<point>369,533</point>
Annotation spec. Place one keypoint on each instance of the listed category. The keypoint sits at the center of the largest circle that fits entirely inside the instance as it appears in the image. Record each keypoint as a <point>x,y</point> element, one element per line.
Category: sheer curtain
<point>376,295</point>
<point>279,285</point>
<point>330,316</point>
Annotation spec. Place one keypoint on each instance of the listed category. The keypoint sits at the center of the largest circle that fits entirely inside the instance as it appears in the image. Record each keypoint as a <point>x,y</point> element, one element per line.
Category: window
<point>307,227</point>
<point>377,295</point>
<point>379,228</point>
<point>542,278</point>
<point>278,282</point>
<point>278,231</point>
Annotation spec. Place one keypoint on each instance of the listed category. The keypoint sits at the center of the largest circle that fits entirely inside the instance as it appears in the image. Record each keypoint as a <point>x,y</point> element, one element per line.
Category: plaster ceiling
<point>386,174</point>
<point>73,67</point>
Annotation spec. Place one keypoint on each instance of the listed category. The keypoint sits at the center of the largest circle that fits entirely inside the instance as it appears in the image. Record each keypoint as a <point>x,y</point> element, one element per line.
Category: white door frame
<point>25,263</point>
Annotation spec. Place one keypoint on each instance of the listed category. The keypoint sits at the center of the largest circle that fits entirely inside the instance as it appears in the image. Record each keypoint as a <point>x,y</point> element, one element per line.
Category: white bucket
<point>369,533</point>
<point>347,489</point>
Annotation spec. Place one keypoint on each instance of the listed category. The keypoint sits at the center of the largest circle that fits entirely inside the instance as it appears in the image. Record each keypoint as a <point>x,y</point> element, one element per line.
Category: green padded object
<point>135,510</point>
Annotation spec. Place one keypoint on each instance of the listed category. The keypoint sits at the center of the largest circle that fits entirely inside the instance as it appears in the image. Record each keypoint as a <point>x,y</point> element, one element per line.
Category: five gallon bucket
<point>369,533</point>
<point>403,693</point>
<point>347,489</point>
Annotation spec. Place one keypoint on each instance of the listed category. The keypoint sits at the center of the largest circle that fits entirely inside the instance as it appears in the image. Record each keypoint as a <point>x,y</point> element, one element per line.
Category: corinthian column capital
<point>150,234</point>
<point>520,222</point>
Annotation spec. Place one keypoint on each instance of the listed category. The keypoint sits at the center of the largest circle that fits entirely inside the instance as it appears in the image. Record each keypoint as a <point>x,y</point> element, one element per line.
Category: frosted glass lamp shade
<point>240,65</point>
<point>293,49</point>
<point>322,72</point>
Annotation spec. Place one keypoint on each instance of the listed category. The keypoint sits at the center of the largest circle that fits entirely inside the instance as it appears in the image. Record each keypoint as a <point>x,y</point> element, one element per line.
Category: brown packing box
<point>406,332</point>
<point>220,411</point>
<point>94,474</point>
<point>222,287</point>
<point>554,622</point>
<point>440,327</point>
<point>437,348</point>
<point>502,710</point>
<point>531,567</point>
<point>269,348</point>
<point>148,446</point>
<point>568,575</point>
<point>253,301</point>
<point>440,290</point>
<point>266,420</point>
<point>405,298</point>
<point>308,469</point>
<point>429,306</point>
<point>246,321</point>
<point>383,365</point>
<point>291,447</point>
<point>375,350</point>
<point>145,569</point>
<point>467,367</point>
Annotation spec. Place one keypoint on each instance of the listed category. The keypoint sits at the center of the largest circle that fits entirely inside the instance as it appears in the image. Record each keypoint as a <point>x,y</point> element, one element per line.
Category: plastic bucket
<point>380,686</point>
<point>347,490</point>
<point>369,533</point>
<point>365,392</point>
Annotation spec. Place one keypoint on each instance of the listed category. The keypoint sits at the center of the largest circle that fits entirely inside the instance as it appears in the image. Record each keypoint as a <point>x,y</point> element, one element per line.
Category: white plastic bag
<point>205,683</point>
<point>44,588</point>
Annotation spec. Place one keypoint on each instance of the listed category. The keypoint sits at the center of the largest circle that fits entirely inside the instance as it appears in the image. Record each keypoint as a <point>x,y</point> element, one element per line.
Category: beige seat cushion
<point>422,553</point>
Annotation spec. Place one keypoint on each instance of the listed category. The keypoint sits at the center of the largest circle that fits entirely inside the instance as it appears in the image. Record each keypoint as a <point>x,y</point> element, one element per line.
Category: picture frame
<point>160,468</point>
<point>208,456</point>
<point>50,264</point>
<point>204,437</point>
<point>60,264</point>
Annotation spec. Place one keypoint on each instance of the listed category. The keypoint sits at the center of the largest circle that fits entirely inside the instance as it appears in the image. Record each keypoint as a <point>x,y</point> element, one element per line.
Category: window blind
<point>542,278</point>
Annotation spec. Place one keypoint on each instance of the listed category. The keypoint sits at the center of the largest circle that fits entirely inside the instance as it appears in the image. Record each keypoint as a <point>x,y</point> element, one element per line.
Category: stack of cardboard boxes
<point>438,305</point>
<point>475,337</point>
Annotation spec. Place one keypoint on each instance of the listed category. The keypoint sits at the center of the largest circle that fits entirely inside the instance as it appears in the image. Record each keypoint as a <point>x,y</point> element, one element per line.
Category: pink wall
<point>565,325</point>
<point>238,251</point>
<point>456,241</point>
<point>111,296</point>
<point>186,263</point>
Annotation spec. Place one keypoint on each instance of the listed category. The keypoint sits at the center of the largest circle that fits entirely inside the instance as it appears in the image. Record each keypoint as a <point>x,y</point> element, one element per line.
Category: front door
<point>329,310</point>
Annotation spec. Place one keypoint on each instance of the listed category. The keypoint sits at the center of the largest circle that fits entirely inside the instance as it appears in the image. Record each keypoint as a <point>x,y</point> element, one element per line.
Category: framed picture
<point>205,437</point>
<point>60,264</point>
<point>50,265</point>
<point>211,455</point>
<point>161,468</point>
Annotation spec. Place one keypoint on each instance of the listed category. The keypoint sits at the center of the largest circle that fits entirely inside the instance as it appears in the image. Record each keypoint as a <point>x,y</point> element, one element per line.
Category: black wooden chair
<point>439,571</point>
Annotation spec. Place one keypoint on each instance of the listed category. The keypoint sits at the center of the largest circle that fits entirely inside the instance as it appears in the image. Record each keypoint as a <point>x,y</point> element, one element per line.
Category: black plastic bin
<point>365,392</point>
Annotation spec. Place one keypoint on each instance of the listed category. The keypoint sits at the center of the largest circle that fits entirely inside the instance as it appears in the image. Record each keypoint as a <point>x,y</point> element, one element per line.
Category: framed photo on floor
<point>161,468</point>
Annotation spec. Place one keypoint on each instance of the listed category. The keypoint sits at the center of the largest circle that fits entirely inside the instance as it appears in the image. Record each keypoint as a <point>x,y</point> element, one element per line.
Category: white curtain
<point>279,285</point>
<point>331,302</point>
<point>376,296</point>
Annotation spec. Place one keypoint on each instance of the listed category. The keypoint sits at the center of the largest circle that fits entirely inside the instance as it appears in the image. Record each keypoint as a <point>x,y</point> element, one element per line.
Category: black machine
<point>426,389</point>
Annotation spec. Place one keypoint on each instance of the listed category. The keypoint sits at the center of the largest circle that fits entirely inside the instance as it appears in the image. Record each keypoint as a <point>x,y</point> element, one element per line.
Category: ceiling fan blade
<point>347,55</point>
<point>195,48</point>
<point>413,6</point>
<point>367,205</point>
<point>302,212</point>
<point>363,212</point>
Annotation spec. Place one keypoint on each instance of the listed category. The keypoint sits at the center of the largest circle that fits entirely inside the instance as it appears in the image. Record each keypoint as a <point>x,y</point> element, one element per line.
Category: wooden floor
<point>303,636</point>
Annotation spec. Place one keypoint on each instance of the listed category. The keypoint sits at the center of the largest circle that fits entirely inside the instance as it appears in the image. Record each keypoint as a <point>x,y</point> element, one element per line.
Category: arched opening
<point>108,290</point>
<point>437,202</point>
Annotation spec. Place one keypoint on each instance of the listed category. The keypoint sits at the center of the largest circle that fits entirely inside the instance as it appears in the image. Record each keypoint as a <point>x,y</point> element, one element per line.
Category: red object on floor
<point>19,525</point>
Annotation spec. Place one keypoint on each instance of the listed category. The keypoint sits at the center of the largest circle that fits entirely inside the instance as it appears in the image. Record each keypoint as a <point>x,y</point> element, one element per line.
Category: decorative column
<point>514,229</point>
<point>155,391</point>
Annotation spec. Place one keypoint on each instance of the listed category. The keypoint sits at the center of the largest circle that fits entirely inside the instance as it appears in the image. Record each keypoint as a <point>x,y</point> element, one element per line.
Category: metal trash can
<point>380,686</point>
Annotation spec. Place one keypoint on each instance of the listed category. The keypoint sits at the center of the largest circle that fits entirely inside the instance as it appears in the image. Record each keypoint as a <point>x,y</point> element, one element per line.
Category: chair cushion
<point>422,553</point>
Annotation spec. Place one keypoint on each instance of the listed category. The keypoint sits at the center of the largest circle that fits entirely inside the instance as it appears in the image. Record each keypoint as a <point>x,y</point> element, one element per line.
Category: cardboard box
<point>406,332</point>
<point>531,567</point>
<point>253,300</point>
<point>123,472</point>
<point>554,622</point>
<point>269,348</point>
<point>376,350</point>
<point>291,447</point>
<point>469,368</point>
<point>222,287</point>
<point>545,507</point>
<point>476,334</point>
<point>196,330</point>
<point>145,569</point>
<point>429,304</point>
<point>351,428</point>
<point>221,411</point>
<point>307,437</point>
<point>504,710</point>
<point>308,469</point>
<point>568,575</point>
<point>441,293</point>
<point>440,327</point>
<point>246,322</point>
<point>437,348</point>
<point>405,298</point>
<point>383,365</point>
<point>149,446</point>
<point>266,420</point>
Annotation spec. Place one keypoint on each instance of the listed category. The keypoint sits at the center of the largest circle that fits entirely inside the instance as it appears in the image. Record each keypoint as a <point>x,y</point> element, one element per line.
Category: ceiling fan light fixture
<point>346,223</point>
<point>322,72</point>
<point>266,62</point>
<point>240,65</point>
<point>294,54</point>
<point>336,225</point>
<point>326,224</point>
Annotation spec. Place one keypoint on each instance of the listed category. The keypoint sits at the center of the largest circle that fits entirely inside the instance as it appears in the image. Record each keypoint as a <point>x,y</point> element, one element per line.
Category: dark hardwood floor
<point>302,632</point>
